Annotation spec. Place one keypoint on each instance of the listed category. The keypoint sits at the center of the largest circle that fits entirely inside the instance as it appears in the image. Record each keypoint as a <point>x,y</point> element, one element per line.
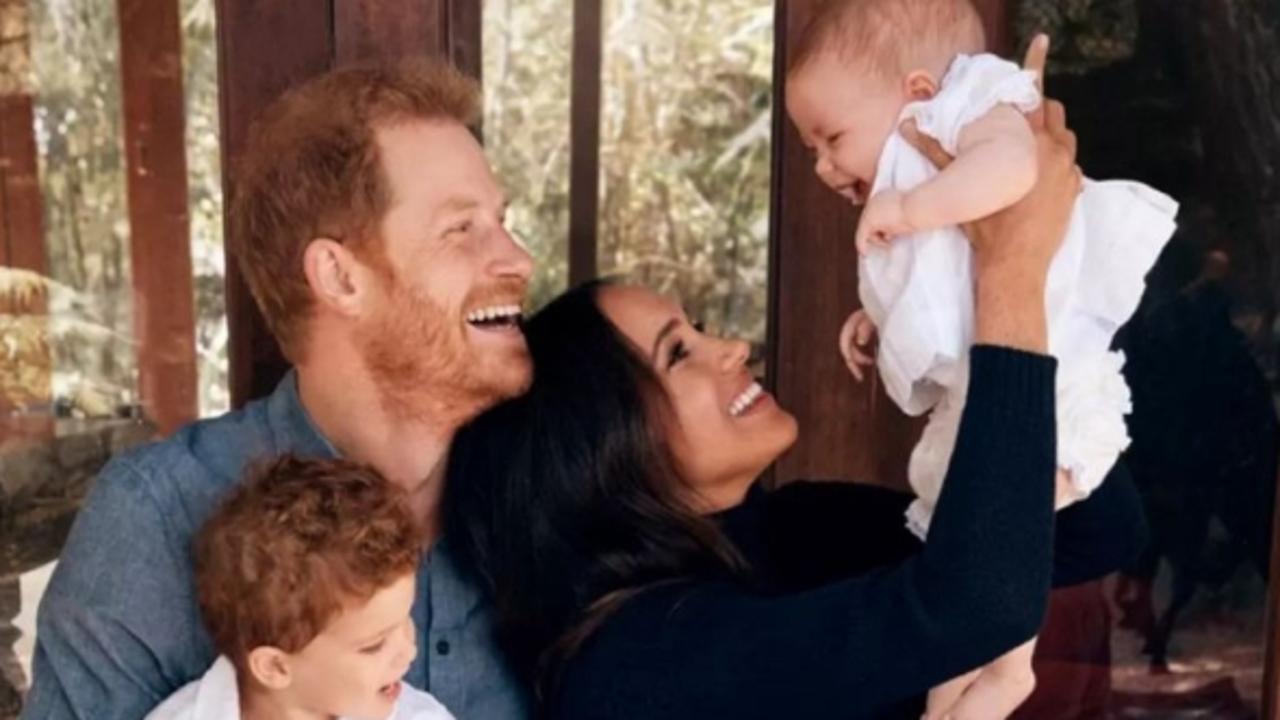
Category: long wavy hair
<point>565,502</point>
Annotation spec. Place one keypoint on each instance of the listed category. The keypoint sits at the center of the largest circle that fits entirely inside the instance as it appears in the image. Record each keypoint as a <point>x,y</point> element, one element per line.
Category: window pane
<point>685,137</point>
<point>82,181</point>
<point>526,127</point>
<point>204,189</point>
<point>1181,96</point>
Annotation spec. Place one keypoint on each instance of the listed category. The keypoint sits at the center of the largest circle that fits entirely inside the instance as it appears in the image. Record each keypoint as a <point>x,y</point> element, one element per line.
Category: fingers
<point>929,147</point>
<point>1036,57</point>
<point>856,332</point>
<point>1056,124</point>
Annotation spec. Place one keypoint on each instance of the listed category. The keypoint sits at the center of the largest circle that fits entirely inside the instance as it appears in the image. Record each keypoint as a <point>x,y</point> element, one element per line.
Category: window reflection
<point>1180,96</point>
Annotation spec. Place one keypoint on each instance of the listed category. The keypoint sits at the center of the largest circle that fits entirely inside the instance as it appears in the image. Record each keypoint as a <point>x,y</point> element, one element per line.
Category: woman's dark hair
<point>564,502</point>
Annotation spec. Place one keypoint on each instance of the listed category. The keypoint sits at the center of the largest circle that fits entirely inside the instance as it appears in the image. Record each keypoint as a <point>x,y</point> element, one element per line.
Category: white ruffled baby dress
<point>919,293</point>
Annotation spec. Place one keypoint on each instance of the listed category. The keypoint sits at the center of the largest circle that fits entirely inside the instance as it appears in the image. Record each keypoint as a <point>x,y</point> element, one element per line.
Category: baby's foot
<point>994,695</point>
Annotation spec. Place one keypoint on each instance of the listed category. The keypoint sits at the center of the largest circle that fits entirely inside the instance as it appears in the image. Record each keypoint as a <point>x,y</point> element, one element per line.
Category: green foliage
<point>75,61</point>
<point>685,127</point>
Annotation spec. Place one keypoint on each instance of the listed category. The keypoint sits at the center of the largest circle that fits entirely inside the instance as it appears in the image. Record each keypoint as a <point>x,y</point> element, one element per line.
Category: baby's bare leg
<point>1000,687</point>
<point>944,696</point>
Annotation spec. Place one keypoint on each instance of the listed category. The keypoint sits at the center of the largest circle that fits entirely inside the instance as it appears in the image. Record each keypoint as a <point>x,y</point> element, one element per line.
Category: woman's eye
<point>461,227</point>
<point>833,138</point>
<point>678,352</point>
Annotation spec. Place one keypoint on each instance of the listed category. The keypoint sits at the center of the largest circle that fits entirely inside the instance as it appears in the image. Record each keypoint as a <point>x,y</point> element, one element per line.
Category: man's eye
<point>374,648</point>
<point>833,138</point>
<point>461,227</point>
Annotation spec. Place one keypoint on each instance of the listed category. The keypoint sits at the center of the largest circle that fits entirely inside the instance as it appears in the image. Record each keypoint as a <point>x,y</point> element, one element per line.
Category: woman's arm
<point>978,588</point>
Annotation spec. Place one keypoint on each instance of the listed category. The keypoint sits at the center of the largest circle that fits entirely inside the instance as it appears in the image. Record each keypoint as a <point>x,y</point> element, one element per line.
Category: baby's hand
<point>857,332</point>
<point>883,218</point>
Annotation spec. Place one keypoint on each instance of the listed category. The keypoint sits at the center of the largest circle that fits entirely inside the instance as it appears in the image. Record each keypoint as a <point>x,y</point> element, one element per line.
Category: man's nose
<point>513,259</point>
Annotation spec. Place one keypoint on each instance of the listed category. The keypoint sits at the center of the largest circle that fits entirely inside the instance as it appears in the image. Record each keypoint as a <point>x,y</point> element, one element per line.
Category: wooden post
<point>21,210</point>
<point>159,238</point>
<point>584,138</point>
<point>21,221</point>
<point>265,48</point>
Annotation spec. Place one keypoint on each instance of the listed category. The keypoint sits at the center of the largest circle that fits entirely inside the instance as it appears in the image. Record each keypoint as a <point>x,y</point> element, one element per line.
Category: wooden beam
<point>584,134</point>
<point>21,208</point>
<point>847,430</point>
<point>996,23</point>
<point>371,30</point>
<point>465,31</point>
<point>159,238</point>
<point>1271,634</point>
<point>263,48</point>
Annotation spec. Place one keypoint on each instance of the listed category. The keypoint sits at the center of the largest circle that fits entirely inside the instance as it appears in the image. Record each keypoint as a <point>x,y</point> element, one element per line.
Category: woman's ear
<point>337,278</point>
<point>270,667</point>
<point>920,85</point>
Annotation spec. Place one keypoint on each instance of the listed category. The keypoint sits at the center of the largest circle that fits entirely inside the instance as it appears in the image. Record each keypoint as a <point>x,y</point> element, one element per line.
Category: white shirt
<point>216,696</point>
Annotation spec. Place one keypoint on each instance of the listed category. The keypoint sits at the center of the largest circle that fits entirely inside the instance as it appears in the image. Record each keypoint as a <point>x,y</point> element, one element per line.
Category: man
<point>370,230</point>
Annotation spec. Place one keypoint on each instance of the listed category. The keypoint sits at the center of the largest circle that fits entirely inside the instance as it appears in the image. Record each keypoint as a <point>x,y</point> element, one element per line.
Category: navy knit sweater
<point>864,645</point>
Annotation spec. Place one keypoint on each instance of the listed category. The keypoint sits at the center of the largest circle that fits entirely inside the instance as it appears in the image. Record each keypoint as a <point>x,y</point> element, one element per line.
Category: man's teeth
<point>497,312</point>
<point>743,401</point>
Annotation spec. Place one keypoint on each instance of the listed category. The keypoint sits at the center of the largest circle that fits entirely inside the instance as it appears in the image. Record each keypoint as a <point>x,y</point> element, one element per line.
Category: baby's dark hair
<point>891,38</point>
<point>293,545</point>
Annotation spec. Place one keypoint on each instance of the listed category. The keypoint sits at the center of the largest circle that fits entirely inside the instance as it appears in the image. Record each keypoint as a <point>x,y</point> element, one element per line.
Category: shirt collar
<point>291,425</point>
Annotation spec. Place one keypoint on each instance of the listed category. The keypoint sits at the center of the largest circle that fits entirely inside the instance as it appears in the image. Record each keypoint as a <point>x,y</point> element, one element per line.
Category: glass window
<point>527,47</point>
<point>1181,96</point>
<point>685,129</point>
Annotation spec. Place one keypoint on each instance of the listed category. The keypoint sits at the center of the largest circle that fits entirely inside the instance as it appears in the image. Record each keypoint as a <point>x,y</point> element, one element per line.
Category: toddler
<point>862,67</point>
<point>305,577</point>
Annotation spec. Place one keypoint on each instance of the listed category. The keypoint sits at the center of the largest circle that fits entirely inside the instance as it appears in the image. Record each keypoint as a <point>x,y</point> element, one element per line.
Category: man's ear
<point>337,278</point>
<point>269,666</point>
<point>920,85</point>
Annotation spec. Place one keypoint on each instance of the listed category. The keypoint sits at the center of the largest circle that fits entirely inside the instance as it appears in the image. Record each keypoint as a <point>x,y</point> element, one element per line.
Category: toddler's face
<point>353,668</point>
<point>844,115</point>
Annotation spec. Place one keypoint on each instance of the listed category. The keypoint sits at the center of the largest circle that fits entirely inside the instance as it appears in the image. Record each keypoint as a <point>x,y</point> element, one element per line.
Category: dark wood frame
<point>159,238</point>
<point>584,140</point>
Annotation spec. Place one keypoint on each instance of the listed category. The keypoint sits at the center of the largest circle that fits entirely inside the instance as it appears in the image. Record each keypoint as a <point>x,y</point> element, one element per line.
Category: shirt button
<point>442,647</point>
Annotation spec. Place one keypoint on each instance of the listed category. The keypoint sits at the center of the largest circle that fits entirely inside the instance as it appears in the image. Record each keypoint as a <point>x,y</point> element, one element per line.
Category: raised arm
<point>977,589</point>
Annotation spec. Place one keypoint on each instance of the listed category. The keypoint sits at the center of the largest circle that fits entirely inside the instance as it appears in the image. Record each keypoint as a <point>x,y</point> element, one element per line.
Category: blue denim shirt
<point>119,630</point>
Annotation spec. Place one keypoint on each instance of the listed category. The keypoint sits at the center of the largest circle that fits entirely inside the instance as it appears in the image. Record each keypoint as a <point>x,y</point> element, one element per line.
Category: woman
<point>637,574</point>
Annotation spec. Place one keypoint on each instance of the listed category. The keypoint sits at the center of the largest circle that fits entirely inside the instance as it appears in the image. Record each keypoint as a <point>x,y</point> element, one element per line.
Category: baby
<point>305,577</point>
<point>863,67</point>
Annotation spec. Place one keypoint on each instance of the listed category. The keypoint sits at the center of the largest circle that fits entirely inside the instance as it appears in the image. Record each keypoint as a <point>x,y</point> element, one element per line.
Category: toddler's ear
<point>270,667</point>
<point>920,85</point>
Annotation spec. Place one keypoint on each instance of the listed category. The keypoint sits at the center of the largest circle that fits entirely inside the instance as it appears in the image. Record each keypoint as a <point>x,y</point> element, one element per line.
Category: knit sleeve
<point>977,589</point>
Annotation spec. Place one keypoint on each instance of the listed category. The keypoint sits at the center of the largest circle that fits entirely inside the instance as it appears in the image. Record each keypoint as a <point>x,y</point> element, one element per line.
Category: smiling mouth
<point>746,399</point>
<point>496,317</point>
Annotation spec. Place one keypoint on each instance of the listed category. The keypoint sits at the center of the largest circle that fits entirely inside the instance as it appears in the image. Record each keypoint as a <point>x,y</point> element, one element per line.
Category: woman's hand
<point>1013,248</point>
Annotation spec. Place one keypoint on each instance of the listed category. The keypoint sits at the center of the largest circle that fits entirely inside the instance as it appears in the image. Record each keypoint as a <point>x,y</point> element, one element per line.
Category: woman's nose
<point>736,353</point>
